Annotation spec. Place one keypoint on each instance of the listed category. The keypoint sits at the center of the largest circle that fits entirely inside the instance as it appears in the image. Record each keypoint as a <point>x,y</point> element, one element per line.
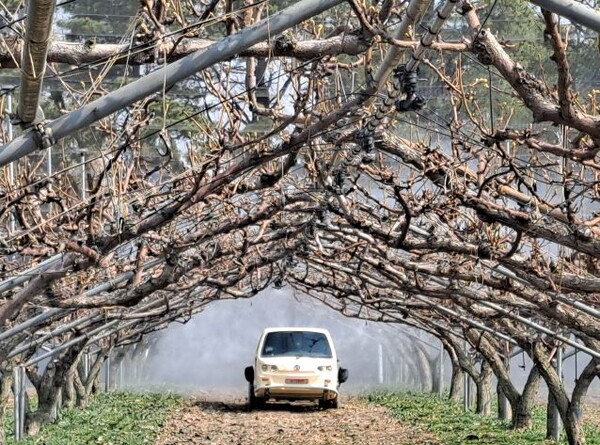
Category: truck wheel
<point>253,401</point>
<point>330,404</point>
<point>335,403</point>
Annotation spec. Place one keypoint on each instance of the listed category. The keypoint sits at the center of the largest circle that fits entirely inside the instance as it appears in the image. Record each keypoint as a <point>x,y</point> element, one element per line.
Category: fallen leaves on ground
<point>355,422</point>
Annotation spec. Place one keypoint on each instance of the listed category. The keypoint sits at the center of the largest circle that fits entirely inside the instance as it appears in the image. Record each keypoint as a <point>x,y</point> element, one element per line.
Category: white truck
<point>295,364</point>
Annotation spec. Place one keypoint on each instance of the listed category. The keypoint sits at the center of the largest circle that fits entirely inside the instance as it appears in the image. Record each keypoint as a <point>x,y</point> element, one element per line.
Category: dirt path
<point>356,422</point>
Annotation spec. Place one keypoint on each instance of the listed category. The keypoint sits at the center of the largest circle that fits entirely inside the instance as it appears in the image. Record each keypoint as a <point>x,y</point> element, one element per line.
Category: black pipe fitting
<point>408,82</point>
<point>412,103</point>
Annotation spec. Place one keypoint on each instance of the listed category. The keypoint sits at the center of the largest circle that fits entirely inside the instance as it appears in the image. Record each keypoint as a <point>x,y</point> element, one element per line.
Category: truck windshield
<point>296,343</point>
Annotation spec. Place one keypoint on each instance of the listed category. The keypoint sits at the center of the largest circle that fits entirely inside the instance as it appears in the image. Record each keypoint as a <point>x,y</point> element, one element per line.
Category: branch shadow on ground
<point>242,406</point>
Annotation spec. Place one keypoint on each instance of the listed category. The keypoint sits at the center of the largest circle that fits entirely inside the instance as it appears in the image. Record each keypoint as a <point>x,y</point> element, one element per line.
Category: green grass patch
<point>453,426</point>
<point>111,418</point>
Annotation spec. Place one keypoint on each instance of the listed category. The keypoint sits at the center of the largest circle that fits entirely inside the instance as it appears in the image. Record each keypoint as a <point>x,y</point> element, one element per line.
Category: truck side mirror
<point>342,375</point>
<point>249,374</point>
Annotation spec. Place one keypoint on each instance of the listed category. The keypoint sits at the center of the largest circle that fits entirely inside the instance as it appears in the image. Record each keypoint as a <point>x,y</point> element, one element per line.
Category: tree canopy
<point>433,165</point>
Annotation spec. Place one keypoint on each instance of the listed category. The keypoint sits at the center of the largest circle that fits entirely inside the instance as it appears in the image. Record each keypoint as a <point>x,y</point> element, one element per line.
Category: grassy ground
<point>453,426</point>
<point>112,418</point>
<point>135,419</point>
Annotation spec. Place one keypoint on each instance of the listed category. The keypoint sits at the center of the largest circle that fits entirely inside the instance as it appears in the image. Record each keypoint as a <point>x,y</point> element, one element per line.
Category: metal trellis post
<point>466,392</point>
<point>441,369</point>
<point>121,375</point>
<point>83,178</point>
<point>504,400</point>
<point>11,166</point>
<point>380,361</point>
<point>466,386</point>
<point>107,374</point>
<point>558,365</point>
<point>19,401</point>
<point>86,366</point>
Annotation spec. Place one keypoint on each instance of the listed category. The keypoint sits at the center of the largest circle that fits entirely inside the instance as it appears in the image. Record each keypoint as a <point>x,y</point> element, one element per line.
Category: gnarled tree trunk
<point>551,416</point>
<point>49,388</point>
<point>522,412</point>
<point>484,390</point>
<point>504,410</point>
<point>572,418</point>
<point>86,384</point>
<point>68,391</point>
<point>457,377</point>
<point>570,410</point>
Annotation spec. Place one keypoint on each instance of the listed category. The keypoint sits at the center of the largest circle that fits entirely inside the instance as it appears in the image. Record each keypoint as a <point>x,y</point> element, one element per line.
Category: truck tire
<point>330,404</point>
<point>253,401</point>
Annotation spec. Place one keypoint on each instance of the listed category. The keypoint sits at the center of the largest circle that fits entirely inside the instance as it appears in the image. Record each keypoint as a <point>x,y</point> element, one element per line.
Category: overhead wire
<point>141,47</point>
<point>187,117</point>
<point>20,19</point>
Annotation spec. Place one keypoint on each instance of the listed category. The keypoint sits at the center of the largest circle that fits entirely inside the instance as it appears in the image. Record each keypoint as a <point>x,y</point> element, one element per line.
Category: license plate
<point>296,381</point>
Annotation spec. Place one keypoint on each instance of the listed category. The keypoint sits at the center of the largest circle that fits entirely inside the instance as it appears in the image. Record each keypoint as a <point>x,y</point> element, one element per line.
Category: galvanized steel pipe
<point>106,286</point>
<point>572,10</point>
<point>225,49</point>
<point>33,59</point>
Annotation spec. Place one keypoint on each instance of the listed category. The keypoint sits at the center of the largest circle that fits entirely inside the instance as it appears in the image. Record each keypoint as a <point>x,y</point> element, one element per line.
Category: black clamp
<point>43,136</point>
<point>338,180</point>
<point>367,144</point>
<point>408,81</point>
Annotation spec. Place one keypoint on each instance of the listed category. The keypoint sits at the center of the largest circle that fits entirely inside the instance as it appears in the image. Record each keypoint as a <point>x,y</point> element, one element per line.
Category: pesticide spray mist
<point>207,355</point>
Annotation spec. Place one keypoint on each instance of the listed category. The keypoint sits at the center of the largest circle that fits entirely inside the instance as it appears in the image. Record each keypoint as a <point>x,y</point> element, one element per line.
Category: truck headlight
<point>269,367</point>
<point>324,368</point>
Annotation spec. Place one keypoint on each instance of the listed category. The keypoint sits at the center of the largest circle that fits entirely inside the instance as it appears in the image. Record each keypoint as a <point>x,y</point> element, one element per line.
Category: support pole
<point>441,369</point>
<point>83,178</point>
<point>107,374</point>
<point>49,160</point>
<point>541,328</point>
<point>466,392</point>
<point>509,313</point>
<point>38,319</point>
<point>556,427</point>
<point>32,322</point>
<point>32,272</point>
<point>466,386</point>
<point>401,375</point>
<point>86,366</point>
<point>380,361</point>
<point>155,82</point>
<point>11,166</point>
<point>503,405</point>
<point>19,401</point>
